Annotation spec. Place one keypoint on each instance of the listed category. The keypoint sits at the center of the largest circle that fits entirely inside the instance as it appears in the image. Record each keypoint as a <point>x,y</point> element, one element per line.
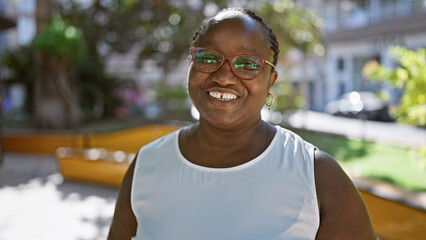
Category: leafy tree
<point>152,29</point>
<point>160,30</point>
<point>60,47</point>
<point>155,29</point>
<point>296,29</point>
<point>98,91</point>
<point>410,76</point>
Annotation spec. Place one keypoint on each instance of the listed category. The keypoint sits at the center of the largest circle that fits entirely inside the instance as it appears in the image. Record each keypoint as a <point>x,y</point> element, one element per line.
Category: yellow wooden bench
<point>393,220</point>
<point>95,165</point>
<point>128,140</point>
<point>94,158</point>
<point>107,156</point>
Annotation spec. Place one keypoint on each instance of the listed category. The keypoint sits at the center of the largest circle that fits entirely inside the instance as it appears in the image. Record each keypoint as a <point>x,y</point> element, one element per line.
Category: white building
<point>358,31</point>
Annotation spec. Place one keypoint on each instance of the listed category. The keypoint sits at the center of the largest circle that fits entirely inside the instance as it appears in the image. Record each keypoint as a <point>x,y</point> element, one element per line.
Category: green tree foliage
<point>59,46</point>
<point>98,91</point>
<point>155,29</point>
<point>52,57</point>
<point>61,40</point>
<point>296,29</point>
<point>410,76</point>
<point>286,97</point>
<point>63,45</point>
<point>161,30</point>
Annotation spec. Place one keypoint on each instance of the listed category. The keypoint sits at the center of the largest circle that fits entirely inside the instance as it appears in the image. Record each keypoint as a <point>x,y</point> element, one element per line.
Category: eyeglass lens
<point>244,66</point>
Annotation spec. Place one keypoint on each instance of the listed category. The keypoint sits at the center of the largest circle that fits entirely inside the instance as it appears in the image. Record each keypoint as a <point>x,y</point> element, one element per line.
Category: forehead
<point>236,30</point>
<point>233,15</point>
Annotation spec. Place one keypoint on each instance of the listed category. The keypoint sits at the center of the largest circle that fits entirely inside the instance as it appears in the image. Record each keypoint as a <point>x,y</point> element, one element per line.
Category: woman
<point>233,176</point>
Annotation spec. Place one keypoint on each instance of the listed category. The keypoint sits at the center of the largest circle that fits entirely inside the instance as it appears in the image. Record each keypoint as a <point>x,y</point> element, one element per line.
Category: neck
<point>209,146</point>
<point>229,139</point>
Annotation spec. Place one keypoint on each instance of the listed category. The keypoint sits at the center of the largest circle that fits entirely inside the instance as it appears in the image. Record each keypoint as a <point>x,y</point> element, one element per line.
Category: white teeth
<point>229,96</point>
<point>215,94</point>
<point>223,96</point>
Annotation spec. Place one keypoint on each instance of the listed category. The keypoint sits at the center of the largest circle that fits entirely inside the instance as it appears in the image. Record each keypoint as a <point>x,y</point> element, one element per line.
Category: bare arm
<point>343,214</point>
<point>124,223</point>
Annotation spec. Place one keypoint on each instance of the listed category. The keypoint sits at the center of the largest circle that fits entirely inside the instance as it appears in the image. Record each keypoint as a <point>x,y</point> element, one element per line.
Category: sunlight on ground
<point>48,208</point>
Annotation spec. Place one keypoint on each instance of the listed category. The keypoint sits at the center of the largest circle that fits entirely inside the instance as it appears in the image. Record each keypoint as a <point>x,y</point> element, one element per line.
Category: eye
<point>247,63</point>
<point>206,57</point>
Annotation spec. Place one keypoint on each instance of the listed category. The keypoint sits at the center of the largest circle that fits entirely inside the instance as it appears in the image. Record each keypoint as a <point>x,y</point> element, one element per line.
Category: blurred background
<point>352,80</point>
<point>90,60</point>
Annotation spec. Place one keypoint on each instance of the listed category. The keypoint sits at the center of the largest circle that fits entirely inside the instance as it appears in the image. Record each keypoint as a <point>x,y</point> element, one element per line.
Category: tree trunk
<point>43,14</point>
<point>56,104</point>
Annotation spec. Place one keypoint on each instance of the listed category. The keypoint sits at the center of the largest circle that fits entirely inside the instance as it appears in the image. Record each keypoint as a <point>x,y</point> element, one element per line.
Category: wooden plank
<point>129,140</point>
<point>40,143</point>
<point>93,171</point>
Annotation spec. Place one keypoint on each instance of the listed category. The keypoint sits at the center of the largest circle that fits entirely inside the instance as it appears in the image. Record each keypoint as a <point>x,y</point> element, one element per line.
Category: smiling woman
<point>232,175</point>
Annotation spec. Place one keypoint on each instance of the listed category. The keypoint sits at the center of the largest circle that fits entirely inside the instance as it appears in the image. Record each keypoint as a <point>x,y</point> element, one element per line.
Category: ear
<point>272,78</point>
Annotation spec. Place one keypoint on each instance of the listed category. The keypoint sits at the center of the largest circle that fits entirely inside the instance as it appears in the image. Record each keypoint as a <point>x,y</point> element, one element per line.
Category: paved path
<point>37,204</point>
<point>386,132</point>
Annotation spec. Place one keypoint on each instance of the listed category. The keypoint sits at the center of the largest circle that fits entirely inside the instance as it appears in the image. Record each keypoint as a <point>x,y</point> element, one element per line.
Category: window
<point>340,64</point>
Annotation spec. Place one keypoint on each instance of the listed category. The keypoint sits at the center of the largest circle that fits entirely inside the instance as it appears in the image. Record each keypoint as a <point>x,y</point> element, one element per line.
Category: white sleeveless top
<point>270,197</point>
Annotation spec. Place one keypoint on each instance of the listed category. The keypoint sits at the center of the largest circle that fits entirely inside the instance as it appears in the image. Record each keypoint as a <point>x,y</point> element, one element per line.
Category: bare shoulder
<point>124,223</point>
<point>343,214</point>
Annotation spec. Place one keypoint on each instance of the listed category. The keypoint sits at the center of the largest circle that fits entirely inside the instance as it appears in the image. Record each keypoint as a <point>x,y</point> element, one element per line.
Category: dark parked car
<point>362,105</point>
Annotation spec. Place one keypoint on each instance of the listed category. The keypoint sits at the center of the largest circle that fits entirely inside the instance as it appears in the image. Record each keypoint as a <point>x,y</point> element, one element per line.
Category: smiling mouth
<point>223,96</point>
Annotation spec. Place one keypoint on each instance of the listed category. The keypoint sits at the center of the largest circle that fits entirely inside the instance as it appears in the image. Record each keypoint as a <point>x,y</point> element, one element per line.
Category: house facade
<point>357,31</point>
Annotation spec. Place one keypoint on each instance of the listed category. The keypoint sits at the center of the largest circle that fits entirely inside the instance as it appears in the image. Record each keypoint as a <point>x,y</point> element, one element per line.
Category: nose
<point>224,75</point>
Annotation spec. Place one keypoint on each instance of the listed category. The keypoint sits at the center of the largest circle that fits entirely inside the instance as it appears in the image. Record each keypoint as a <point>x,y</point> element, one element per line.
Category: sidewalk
<point>386,132</point>
<point>37,204</point>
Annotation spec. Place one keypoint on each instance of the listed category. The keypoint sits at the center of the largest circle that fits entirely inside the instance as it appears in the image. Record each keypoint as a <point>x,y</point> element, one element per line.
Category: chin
<point>226,122</point>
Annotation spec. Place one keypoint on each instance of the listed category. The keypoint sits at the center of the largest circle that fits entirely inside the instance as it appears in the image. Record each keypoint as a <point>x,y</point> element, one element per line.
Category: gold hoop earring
<point>187,88</point>
<point>270,100</point>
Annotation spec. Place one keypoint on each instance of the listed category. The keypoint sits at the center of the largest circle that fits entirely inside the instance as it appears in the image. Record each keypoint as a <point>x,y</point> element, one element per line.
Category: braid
<point>271,35</point>
<point>274,45</point>
<point>200,31</point>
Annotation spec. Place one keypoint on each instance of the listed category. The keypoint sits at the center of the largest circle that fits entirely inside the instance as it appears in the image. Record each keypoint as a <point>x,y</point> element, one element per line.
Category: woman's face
<point>223,99</point>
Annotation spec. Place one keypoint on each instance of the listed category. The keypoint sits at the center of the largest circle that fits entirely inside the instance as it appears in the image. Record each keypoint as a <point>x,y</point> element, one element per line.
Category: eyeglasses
<point>244,66</point>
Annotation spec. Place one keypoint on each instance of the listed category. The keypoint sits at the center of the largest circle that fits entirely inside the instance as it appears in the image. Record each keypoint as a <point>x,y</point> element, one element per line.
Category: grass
<point>403,167</point>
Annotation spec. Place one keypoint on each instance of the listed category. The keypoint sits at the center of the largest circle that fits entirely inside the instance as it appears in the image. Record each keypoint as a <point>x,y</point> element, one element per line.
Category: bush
<point>409,75</point>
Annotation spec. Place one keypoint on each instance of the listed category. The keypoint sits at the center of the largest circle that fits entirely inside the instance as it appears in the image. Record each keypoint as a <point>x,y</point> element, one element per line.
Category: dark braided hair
<point>271,35</point>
